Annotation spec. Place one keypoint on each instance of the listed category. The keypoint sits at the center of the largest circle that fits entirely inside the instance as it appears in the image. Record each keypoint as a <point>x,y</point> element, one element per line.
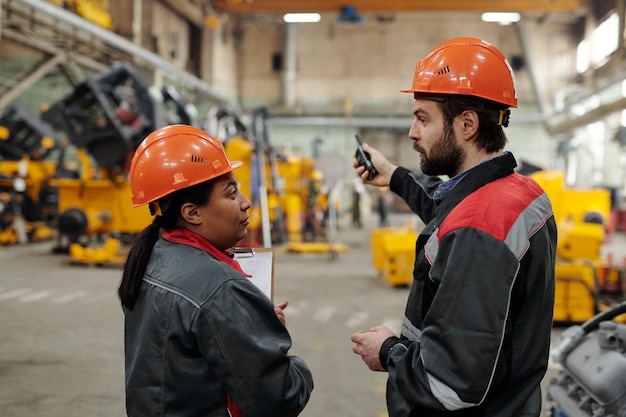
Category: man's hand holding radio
<point>383,167</point>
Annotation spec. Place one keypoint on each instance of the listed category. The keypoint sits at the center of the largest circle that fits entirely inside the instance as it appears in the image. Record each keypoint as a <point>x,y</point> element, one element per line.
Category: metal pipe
<point>127,46</point>
<point>215,64</point>
<point>137,20</point>
<point>48,48</point>
<point>289,74</point>
<point>397,122</point>
<point>620,9</point>
<point>531,65</point>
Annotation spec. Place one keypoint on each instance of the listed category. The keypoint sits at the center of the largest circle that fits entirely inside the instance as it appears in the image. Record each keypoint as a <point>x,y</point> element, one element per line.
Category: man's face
<point>440,154</point>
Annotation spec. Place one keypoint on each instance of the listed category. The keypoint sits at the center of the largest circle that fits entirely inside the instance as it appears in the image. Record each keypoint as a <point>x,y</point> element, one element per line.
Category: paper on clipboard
<point>258,262</point>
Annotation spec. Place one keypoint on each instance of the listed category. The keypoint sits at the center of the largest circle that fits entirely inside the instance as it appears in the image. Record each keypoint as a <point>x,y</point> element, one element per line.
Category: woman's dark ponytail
<point>136,263</point>
<point>141,249</point>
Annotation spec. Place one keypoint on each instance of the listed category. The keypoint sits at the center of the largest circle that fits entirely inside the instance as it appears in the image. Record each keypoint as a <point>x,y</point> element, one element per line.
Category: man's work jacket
<point>476,333</point>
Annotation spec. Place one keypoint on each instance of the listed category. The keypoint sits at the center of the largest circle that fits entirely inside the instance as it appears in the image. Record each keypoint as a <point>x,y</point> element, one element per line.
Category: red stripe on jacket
<point>503,199</point>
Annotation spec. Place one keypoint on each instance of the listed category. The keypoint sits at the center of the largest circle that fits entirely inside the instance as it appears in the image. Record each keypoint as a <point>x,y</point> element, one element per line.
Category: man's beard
<point>445,157</point>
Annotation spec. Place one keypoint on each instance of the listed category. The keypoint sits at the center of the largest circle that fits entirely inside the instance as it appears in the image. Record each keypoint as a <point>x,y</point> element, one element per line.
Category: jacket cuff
<point>395,183</point>
<point>383,355</point>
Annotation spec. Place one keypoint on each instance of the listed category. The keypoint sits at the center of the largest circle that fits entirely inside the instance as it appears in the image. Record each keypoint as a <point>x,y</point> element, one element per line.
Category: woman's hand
<point>278,309</point>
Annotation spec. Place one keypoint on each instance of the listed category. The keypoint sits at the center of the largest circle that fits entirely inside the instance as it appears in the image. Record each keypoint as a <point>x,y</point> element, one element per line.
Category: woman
<point>200,338</point>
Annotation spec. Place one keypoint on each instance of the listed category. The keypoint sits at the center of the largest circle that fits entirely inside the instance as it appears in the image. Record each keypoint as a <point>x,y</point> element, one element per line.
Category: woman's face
<point>225,216</point>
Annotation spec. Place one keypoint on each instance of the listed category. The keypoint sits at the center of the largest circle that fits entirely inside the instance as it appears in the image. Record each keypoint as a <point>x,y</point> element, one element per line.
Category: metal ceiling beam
<point>109,40</point>
<point>44,46</point>
<point>35,73</point>
<point>246,6</point>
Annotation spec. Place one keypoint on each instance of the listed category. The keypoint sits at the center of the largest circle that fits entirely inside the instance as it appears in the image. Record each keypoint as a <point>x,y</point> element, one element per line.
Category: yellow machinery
<point>96,11</point>
<point>97,207</point>
<point>256,177</point>
<point>287,201</point>
<point>29,154</point>
<point>585,282</point>
<point>393,254</point>
<point>306,206</point>
<point>106,118</point>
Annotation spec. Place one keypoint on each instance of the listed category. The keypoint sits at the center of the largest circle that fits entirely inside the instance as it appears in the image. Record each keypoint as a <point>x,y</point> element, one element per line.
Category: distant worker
<point>313,216</point>
<point>382,206</point>
<point>358,189</point>
<point>475,338</point>
<point>200,338</point>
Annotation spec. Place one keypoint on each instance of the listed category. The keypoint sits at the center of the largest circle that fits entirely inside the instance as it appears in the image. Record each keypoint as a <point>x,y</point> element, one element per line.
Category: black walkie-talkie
<point>363,158</point>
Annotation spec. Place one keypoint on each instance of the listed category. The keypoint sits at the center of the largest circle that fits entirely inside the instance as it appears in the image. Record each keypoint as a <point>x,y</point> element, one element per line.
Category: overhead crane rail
<point>238,6</point>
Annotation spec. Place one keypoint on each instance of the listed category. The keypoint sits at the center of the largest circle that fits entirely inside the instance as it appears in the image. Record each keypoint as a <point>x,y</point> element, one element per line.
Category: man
<point>476,333</point>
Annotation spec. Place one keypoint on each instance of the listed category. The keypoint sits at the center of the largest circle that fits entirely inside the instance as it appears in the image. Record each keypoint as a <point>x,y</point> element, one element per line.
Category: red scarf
<point>187,237</point>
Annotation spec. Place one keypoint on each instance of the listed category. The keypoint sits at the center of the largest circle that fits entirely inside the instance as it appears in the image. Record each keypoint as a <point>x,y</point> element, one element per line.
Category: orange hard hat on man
<point>467,66</point>
<point>175,157</point>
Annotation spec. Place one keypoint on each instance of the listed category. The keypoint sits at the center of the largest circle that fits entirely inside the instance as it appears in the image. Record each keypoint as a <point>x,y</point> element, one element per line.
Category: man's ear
<point>470,123</point>
<point>189,212</point>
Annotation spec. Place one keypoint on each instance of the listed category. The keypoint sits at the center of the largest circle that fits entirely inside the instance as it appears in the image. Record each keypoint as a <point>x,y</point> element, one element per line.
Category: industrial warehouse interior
<point>286,86</point>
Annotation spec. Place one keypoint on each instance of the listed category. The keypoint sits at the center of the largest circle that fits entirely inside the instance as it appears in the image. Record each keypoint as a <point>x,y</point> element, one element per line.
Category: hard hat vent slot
<point>198,159</point>
<point>444,70</point>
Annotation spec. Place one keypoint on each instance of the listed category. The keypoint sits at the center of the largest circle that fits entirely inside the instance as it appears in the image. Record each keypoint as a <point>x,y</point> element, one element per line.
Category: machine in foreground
<point>592,381</point>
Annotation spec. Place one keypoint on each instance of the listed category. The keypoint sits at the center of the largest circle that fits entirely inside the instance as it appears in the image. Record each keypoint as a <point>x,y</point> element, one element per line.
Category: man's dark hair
<point>491,136</point>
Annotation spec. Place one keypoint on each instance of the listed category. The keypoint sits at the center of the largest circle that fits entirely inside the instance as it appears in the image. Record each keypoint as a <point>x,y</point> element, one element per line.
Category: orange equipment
<point>467,66</point>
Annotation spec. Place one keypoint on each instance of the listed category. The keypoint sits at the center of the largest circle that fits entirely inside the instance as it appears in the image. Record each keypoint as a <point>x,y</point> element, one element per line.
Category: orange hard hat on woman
<point>467,66</point>
<point>175,157</point>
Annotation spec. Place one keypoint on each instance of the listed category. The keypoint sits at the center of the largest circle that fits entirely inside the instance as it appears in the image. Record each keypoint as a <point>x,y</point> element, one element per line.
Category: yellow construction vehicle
<point>29,157</point>
<point>105,118</point>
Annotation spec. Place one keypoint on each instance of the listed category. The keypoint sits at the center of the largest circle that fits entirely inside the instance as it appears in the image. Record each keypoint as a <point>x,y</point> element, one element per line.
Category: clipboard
<point>258,262</point>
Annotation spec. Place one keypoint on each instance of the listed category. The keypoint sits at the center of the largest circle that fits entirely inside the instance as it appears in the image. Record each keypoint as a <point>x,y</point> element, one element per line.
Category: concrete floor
<point>61,326</point>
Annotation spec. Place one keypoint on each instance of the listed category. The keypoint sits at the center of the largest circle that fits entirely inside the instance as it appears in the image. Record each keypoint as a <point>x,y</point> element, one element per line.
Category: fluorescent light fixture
<point>302,17</point>
<point>500,17</point>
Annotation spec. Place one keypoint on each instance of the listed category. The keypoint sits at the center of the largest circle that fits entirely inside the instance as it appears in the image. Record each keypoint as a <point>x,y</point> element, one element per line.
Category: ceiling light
<point>302,17</point>
<point>500,17</point>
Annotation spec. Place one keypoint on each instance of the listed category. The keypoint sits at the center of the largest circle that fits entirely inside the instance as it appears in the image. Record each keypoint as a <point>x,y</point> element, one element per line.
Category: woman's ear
<point>189,212</point>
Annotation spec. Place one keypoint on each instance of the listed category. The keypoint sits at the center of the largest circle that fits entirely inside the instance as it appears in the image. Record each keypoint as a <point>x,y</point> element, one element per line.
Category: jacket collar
<point>187,237</point>
<point>481,174</point>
